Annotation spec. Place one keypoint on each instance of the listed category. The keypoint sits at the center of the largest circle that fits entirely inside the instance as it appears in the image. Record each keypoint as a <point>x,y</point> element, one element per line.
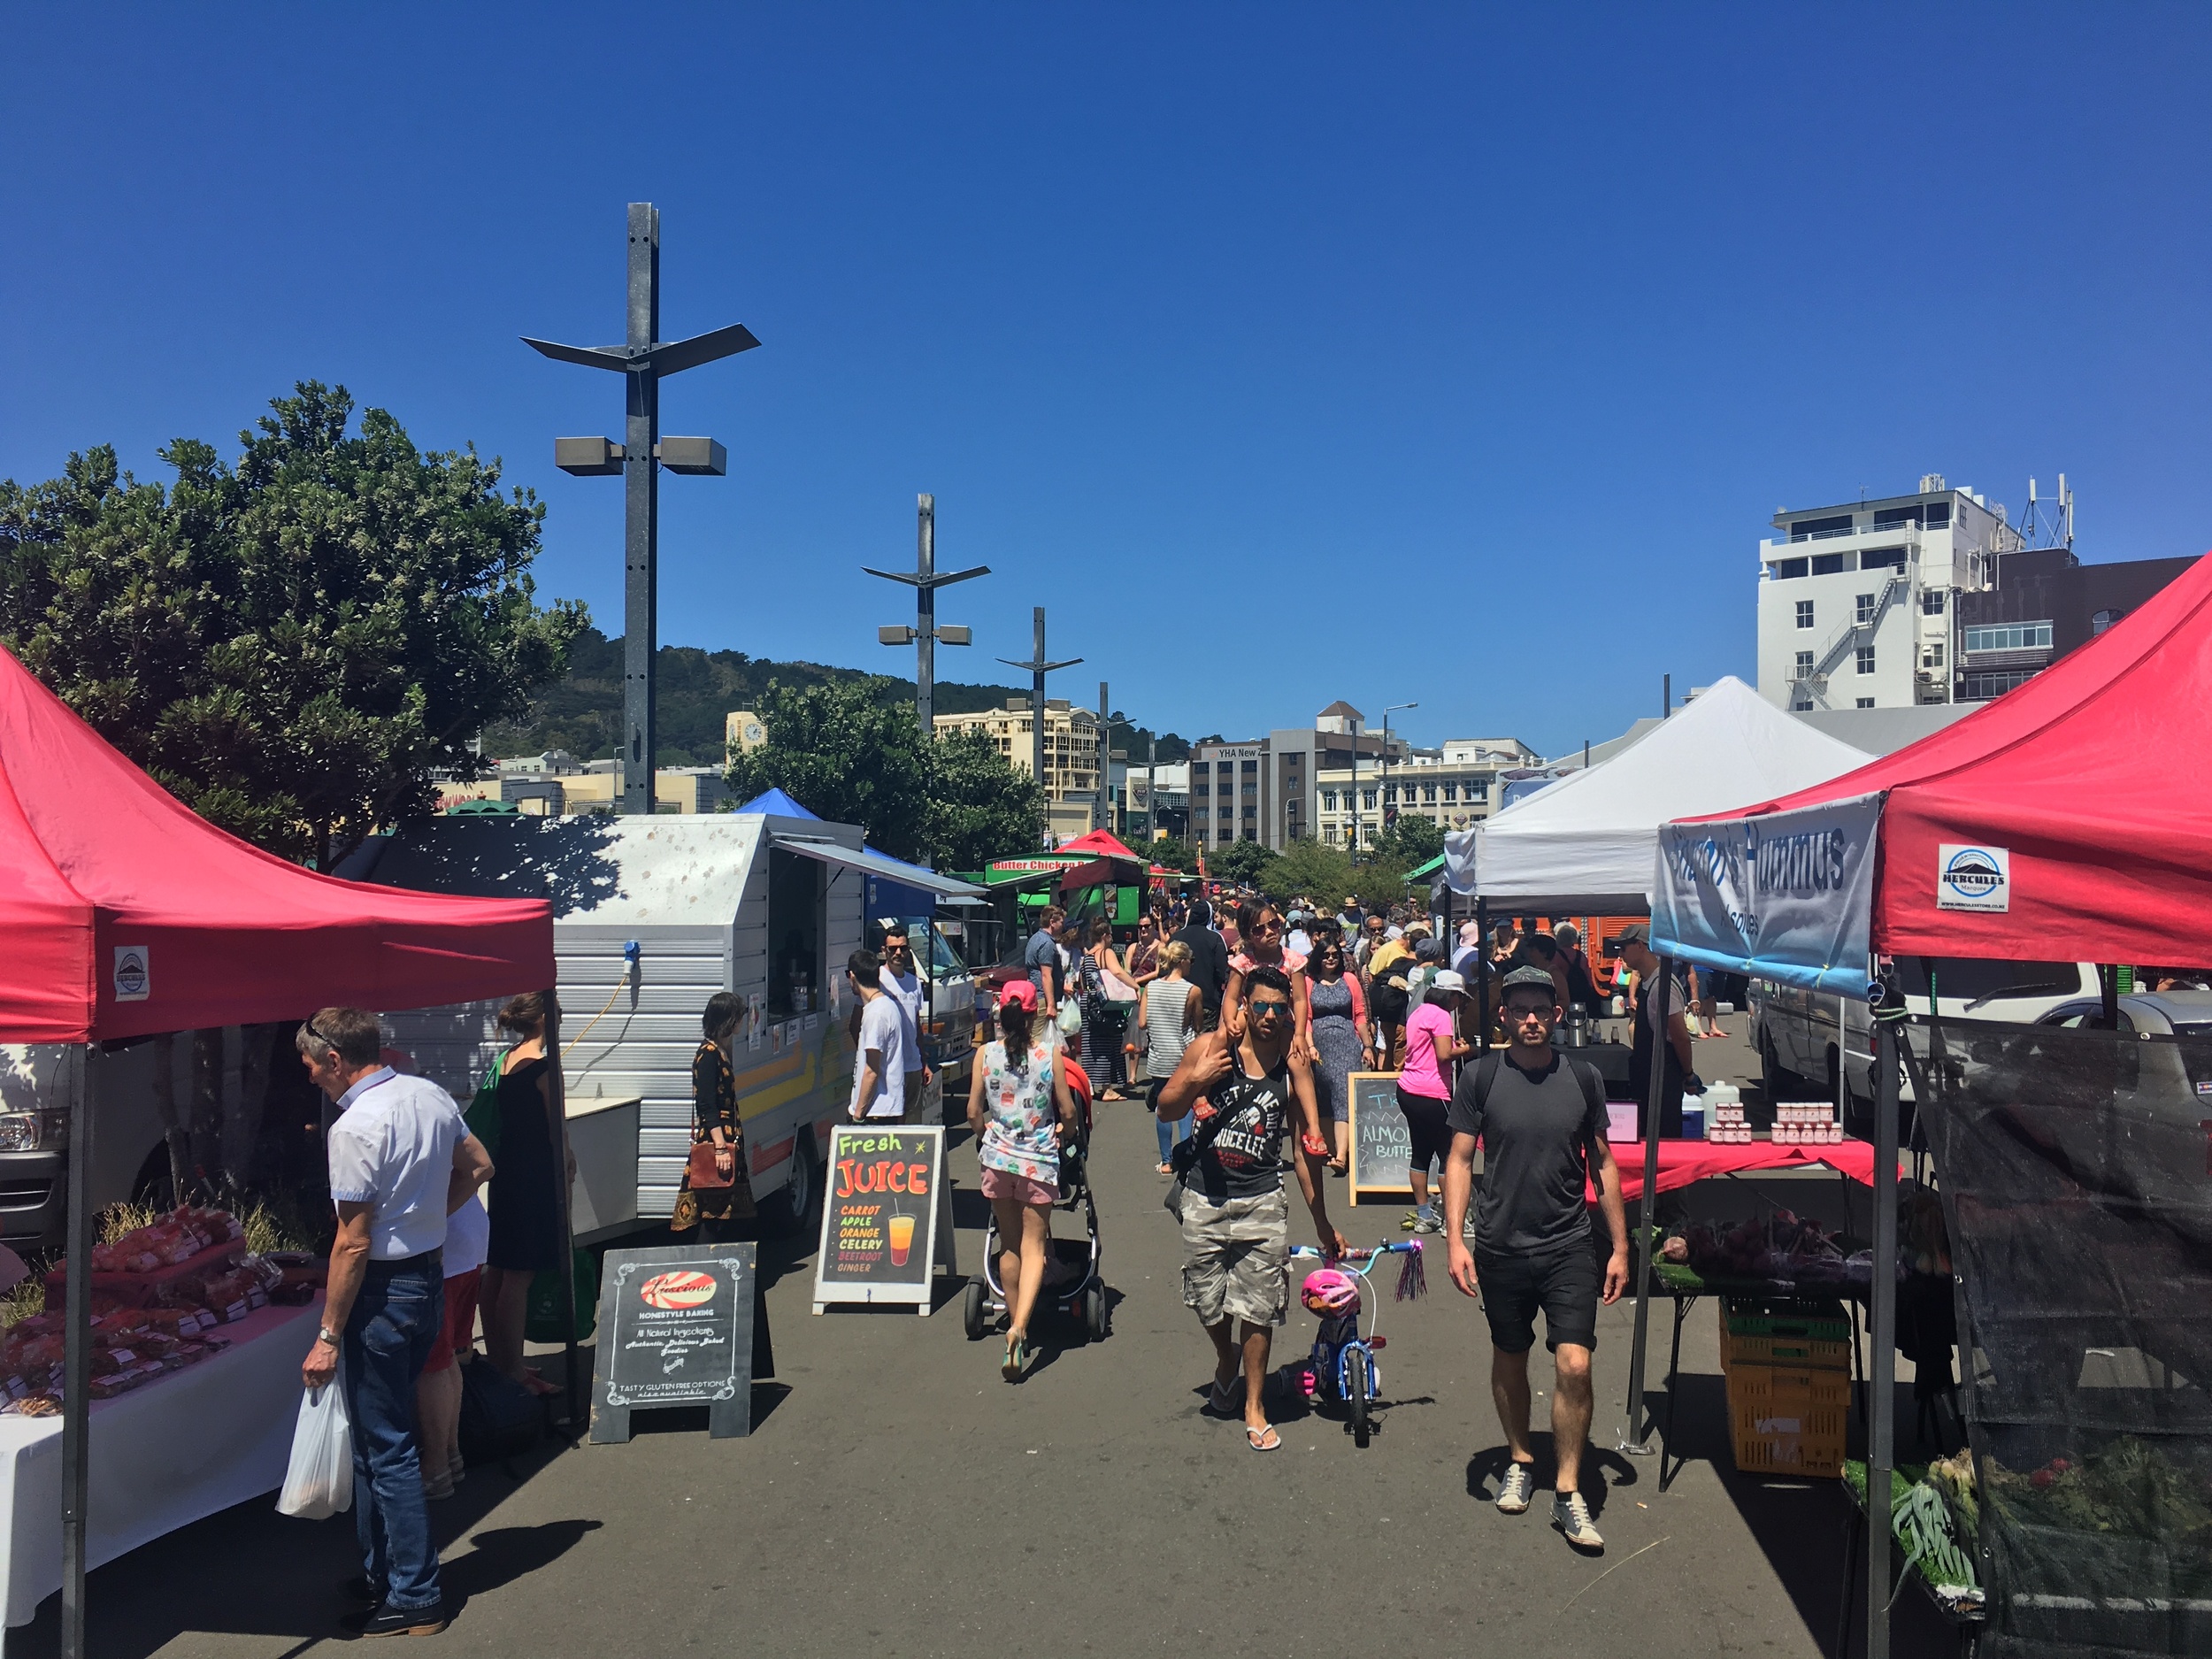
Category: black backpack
<point>500,1418</point>
<point>1589,1077</point>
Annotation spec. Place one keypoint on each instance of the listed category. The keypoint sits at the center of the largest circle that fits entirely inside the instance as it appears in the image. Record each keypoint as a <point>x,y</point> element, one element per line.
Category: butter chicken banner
<point>887,1225</point>
<point>1784,896</point>
<point>679,1327</point>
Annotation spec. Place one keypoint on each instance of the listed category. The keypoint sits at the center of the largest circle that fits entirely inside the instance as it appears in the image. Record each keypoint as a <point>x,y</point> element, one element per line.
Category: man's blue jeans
<point>387,1337</point>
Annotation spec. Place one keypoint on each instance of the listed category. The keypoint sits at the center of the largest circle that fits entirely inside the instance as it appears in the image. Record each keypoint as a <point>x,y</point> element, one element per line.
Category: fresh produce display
<point>2130,1489</point>
<point>1778,1248</point>
<point>1935,1534</point>
<point>175,1239</point>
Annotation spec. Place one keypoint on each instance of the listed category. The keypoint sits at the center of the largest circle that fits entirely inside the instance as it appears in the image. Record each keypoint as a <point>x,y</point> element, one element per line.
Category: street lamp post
<point>1355,788</point>
<point>1039,668</point>
<point>1387,817</point>
<point>643,359</point>
<point>925,635</point>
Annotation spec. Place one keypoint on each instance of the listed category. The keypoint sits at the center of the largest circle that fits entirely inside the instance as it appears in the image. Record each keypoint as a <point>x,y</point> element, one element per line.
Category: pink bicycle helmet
<point>1327,1292</point>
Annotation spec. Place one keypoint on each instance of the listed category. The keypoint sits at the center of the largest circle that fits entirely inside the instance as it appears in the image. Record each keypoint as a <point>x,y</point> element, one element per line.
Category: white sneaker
<point>1571,1516</point>
<point>1515,1490</point>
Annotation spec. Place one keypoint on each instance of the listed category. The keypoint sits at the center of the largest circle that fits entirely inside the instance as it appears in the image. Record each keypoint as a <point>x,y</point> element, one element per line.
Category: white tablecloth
<point>163,1456</point>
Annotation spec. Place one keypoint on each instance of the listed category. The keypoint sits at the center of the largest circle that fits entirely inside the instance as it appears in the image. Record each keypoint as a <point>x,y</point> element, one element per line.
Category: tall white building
<point>1856,602</point>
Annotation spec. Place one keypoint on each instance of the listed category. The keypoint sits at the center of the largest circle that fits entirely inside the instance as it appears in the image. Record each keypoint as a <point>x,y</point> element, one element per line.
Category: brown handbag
<point>702,1176</point>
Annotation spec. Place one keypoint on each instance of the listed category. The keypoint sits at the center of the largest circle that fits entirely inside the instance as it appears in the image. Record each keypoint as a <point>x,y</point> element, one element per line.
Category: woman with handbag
<point>1107,996</point>
<point>1019,1110</point>
<point>716,1189</point>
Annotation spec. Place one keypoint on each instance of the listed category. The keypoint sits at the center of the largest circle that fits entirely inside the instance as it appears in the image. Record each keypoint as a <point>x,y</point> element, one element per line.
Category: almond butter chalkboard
<point>887,1222</point>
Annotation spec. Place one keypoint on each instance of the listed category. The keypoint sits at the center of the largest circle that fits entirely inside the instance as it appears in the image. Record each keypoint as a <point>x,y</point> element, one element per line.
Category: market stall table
<point>164,1455</point>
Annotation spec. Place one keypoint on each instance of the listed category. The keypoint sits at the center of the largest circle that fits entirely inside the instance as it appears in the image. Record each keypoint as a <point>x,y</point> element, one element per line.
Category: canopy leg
<point>1881,1420</point>
<point>76,1407</point>
<point>1636,1430</point>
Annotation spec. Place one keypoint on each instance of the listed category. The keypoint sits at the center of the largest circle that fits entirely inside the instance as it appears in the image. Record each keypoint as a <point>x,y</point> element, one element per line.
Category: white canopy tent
<point>1589,843</point>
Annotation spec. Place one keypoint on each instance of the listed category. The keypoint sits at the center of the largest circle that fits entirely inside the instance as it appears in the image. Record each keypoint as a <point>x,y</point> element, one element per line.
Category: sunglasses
<point>1267,927</point>
<point>1270,1010</point>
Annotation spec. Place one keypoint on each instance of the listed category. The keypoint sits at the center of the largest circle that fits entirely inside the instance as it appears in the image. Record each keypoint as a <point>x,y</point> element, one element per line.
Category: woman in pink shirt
<point>1432,1039</point>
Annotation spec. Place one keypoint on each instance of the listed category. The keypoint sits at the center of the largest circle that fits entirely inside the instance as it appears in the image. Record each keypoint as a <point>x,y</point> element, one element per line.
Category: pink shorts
<point>1020,1188</point>
<point>457,1334</point>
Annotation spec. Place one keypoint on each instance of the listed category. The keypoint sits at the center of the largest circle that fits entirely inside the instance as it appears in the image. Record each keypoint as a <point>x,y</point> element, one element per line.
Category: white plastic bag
<point>319,1483</point>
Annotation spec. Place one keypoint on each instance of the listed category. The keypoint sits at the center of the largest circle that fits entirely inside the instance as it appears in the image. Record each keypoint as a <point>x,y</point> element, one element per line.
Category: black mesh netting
<point>2076,1170</point>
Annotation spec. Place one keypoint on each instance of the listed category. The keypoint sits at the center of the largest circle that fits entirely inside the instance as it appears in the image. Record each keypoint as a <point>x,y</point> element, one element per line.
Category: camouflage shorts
<point>1236,1258</point>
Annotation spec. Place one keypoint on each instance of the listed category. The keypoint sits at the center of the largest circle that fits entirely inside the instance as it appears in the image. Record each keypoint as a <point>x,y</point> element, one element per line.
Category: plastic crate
<point>1805,1318</point>
<point>1789,1421</point>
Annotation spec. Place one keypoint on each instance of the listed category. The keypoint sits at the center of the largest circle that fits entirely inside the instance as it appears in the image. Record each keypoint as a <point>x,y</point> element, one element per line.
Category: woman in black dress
<point>524,1203</point>
<point>715,1122</point>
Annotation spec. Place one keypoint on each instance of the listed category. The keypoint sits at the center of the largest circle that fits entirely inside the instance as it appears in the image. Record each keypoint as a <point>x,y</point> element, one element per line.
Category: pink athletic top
<point>1428,1028</point>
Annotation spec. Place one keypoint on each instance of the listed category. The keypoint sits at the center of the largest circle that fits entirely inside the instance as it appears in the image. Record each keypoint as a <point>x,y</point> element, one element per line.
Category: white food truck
<point>653,916</point>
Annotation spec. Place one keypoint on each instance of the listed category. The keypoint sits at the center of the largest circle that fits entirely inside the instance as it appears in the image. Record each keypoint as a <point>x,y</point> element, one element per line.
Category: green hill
<point>583,713</point>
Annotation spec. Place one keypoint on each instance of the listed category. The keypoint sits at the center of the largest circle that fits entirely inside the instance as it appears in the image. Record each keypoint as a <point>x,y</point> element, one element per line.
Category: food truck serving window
<point>795,932</point>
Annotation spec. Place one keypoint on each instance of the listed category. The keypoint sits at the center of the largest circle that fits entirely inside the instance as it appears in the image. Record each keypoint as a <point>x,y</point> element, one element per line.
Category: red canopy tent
<point>1099,844</point>
<point>128,914</point>
<point>2089,775</point>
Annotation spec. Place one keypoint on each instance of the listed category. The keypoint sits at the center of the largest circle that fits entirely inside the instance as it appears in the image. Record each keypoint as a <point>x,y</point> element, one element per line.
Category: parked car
<point>1813,1047</point>
<point>2143,1013</point>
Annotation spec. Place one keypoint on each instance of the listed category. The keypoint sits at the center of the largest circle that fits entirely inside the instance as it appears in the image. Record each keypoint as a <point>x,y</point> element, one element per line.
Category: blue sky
<point>1286,352</point>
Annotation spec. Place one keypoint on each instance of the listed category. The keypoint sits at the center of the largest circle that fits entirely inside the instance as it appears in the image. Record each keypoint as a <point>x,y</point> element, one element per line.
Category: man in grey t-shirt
<point>1540,1117</point>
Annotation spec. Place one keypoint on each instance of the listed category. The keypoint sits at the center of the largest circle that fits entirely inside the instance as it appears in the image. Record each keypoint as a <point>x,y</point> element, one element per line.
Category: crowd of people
<point>1248,1025</point>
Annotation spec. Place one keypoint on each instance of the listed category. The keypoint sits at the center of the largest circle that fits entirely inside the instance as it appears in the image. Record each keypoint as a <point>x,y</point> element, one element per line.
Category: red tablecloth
<point>1683,1162</point>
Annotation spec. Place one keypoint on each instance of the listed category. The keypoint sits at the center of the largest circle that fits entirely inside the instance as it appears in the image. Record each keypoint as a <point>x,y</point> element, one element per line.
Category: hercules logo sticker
<point>1973,878</point>
<point>132,980</point>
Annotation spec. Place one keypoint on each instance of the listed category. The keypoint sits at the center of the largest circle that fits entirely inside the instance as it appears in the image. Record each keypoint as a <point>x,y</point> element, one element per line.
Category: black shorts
<point>1424,1122</point>
<point>1564,1284</point>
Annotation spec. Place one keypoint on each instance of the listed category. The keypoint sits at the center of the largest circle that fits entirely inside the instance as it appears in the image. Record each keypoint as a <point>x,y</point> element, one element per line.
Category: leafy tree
<point>295,644</point>
<point>1239,863</point>
<point>979,808</point>
<point>850,751</point>
<point>1172,854</point>
<point>1319,871</point>
<point>1412,839</point>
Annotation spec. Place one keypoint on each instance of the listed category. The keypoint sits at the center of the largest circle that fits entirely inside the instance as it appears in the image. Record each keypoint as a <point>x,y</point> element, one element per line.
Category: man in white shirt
<point>401,1161</point>
<point>901,983</point>
<point>879,1053</point>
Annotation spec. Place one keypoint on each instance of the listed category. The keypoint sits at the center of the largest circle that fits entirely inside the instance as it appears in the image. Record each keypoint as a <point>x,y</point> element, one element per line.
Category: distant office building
<point>1857,601</point>
<point>1269,789</point>
<point>1166,789</point>
<point>1071,757</point>
<point>2043,603</point>
<point>1452,787</point>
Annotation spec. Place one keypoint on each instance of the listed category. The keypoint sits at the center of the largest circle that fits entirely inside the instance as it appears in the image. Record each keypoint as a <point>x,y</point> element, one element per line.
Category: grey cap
<point>1635,934</point>
<point>1538,976</point>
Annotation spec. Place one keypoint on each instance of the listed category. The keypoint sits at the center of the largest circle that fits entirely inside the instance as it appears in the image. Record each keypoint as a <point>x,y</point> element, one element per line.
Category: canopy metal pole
<point>1881,1414</point>
<point>557,1087</point>
<point>1634,1435</point>
<point>76,1407</point>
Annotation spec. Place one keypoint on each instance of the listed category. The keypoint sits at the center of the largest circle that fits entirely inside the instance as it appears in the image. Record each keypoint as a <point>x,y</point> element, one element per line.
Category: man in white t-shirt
<point>903,984</point>
<point>879,1054</point>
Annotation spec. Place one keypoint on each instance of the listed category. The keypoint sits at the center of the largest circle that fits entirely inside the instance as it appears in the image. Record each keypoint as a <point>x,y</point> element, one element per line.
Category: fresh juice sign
<point>881,1190</point>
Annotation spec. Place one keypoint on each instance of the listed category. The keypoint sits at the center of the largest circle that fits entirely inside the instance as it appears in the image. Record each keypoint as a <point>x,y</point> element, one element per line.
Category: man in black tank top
<point>1228,1190</point>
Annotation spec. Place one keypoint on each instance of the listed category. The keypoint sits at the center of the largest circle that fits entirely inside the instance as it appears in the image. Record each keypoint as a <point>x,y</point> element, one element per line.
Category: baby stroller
<point>1079,1291</point>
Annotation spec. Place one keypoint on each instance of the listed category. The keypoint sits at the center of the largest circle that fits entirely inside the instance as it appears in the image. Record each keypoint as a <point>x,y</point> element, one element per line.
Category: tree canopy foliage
<point>293,644</point>
<point>847,752</point>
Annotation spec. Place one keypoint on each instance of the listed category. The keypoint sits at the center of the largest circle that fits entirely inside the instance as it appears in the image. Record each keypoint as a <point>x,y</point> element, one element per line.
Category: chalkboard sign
<point>1382,1146</point>
<point>678,1326</point>
<point>887,1221</point>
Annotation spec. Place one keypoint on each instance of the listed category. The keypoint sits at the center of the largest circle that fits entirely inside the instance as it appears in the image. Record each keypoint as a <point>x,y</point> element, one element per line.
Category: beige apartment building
<point>1451,786</point>
<point>1071,780</point>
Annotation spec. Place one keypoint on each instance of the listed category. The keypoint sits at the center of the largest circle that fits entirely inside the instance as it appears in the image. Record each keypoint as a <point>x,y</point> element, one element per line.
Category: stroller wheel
<point>971,1311</point>
<point>1095,1312</point>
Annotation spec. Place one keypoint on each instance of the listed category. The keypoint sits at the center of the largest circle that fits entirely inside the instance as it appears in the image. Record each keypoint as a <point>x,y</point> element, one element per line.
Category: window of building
<point>2009,636</point>
<point>1982,687</point>
<point>1804,613</point>
<point>1882,558</point>
<point>1785,569</point>
<point>1367,799</point>
<point>1803,705</point>
<point>1864,611</point>
<point>1833,564</point>
<point>1252,766</point>
<point>1479,789</point>
<point>2104,619</point>
<point>1933,658</point>
<point>1330,835</point>
<point>1818,529</point>
<point>1428,795</point>
<point>1866,702</point>
<point>1390,795</point>
<point>1866,659</point>
<point>1368,833</point>
<point>1451,792</point>
<point>1897,517</point>
<point>1937,515</point>
<point>1328,799</point>
<point>1931,602</point>
<point>1804,664</point>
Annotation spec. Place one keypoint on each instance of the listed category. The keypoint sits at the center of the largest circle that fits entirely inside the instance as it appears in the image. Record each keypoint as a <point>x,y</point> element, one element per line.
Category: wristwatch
<point>327,1335</point>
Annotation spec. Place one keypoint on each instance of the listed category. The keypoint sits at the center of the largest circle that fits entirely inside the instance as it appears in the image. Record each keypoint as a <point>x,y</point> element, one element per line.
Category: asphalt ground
<point>897,1498</point>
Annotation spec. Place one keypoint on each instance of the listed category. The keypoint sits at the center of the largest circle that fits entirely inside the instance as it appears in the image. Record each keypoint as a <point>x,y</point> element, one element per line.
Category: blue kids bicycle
<point>1342,1369</point>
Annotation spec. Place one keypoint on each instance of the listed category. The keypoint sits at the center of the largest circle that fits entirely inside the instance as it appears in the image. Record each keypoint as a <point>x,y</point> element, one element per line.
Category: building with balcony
<point>1071,757</point>
<point>2043,603</point>
<point>1858,602</point>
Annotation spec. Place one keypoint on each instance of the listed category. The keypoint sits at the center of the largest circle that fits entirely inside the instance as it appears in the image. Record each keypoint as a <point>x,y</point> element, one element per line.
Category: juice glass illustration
<point>902,1239</point>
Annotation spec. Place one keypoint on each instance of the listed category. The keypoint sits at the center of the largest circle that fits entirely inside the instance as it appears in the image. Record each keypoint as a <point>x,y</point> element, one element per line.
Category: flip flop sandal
<point>1016,1359</point>
<point>1228,1402</point>
<point>1262,1439</point>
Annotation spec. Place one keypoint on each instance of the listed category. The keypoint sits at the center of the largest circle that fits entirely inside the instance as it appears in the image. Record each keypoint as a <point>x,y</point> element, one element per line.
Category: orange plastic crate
<point>1788,1420</point>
